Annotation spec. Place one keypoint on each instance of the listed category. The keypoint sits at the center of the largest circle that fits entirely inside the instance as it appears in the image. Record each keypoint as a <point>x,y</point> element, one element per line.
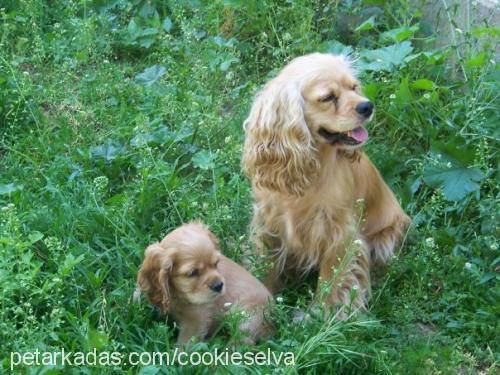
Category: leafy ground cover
<point>119,120</point>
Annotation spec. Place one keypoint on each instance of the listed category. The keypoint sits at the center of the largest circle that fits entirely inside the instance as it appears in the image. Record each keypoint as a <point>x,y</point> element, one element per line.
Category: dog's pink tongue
<point>359,134</point>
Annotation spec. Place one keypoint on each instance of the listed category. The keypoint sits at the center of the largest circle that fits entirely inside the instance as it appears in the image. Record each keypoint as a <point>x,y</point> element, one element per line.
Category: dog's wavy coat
<point>309,178</point>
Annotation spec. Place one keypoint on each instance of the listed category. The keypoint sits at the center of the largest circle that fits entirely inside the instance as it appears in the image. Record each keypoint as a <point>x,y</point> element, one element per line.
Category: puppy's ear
<point>154,275</point>
<point>279,153</point>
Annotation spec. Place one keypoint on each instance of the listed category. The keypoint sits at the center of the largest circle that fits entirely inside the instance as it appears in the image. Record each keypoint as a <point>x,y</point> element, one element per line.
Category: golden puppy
<point>310,179</point>
<point>187,276</point>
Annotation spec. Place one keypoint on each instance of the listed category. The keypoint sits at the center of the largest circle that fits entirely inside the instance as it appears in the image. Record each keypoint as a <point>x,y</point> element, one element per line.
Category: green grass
<point>121,120</point>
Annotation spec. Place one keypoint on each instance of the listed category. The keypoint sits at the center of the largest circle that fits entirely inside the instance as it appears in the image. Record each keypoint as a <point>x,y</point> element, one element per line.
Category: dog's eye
<point>355,86</point>
<point>329,98</point>
<point>193,273</point>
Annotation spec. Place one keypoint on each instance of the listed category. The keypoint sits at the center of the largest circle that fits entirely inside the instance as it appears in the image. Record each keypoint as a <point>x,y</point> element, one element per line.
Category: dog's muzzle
<point>352,137</point>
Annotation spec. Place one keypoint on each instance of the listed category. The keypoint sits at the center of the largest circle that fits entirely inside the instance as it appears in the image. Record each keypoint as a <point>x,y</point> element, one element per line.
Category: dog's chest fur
<point>313,225</point>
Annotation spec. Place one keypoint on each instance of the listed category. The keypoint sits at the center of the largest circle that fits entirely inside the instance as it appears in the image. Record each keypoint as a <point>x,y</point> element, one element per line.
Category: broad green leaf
<point>147,31</point>
<point>435,57</point>
<point>146,42</point>
<point>9,188</point>
<point>490,31</point>
<point>68,264</point>
<point>203,160</point>
<point>415,185</point>
<point>371,91</point>
<point>154,137</point>
<point>182,134</point>
<point>221,42</point>
<point>225,65</point>
<point>487,277</point>
<point>150,75</point>
<point>400,34</point>
<point>97,339</point>
<point>336,48</point>
<point>366,25</point>
<point>455,179</point>
<point>167,24</point>
<point>108,151</point>
<point>132,28</point>
<point>454,149</point>
<point>403,94</point>
<point>422,84</point>
<point>477,61</point>
<point>147,10</point>
<point>35,236</point>
<point>387,58</point>
<point>453,324</point>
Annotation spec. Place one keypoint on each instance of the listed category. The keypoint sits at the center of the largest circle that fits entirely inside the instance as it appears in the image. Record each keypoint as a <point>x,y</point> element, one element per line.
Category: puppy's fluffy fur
<point>309,178</point>
<point>187,276</point>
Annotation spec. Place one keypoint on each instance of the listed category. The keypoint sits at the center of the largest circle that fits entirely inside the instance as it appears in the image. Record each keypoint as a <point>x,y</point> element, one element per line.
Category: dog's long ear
<point>154,275</point>
<point>279,153</point>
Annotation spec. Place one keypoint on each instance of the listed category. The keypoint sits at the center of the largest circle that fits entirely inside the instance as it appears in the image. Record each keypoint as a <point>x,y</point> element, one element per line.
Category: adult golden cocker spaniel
<point>320,204</point>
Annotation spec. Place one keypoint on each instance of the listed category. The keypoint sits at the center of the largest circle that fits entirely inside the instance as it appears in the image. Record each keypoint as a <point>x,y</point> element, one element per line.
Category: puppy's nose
<point>365,109</point>
<point>217,286</point>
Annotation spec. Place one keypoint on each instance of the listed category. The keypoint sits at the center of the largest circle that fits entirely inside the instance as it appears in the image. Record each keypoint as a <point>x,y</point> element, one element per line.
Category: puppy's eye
<point>329,98</point>
<point>355,87</point>
<point>193,273</point>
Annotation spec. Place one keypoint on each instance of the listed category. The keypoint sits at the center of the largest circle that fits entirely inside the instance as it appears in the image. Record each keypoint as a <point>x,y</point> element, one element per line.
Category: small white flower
<point>355,287</point>
<point>279,299</point>
<point>468,265</point>
<point>360,200</point>
<point>358,242</point>
<point>448,165</point>
<point>427,96</point>
<point>430,242</point>
<point>392,96</point>
<point>228,305</point>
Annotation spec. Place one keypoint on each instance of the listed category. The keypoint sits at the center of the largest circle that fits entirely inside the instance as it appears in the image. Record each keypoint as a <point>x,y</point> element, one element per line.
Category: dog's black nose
<point>217,286</point>
<point>365,109</point>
